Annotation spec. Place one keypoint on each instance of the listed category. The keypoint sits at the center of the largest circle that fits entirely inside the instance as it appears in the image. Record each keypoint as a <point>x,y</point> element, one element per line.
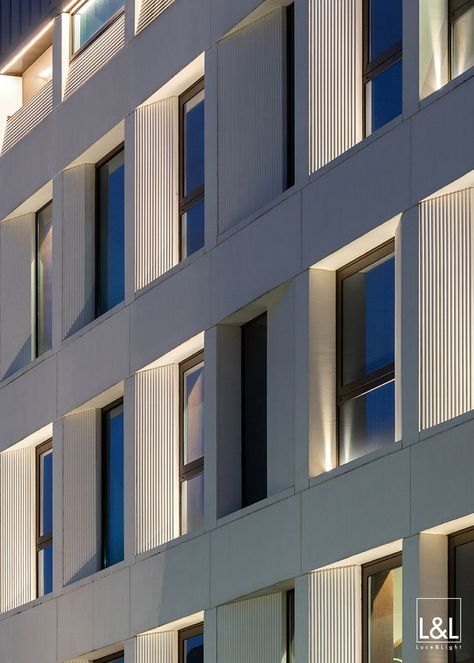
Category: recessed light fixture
<point>24,50</point>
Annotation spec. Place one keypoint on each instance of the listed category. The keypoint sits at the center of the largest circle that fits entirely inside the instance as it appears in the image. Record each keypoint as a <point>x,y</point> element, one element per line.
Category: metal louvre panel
<point>156,190</point>
<point>16,293</point>
<point>335,615</point>
<point>252,630</point>
<point>335,79</point>
<point>251,118</point>
<point>17,528</point>
<point>156,457</point>
<point>98,53</point>
<point>149,10</point>
<point>446,307</point>
<point>81,496</point>
<point>28,116</point>
<point>157,648</point>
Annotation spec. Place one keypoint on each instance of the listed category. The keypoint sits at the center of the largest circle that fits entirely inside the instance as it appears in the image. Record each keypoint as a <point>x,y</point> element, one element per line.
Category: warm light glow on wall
<point>24,50</point>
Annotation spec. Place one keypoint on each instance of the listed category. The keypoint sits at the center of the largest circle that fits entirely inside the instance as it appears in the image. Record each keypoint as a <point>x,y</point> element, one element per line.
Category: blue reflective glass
<point>194,143</point>
<point>367,423</point>
<point>46,489</point>
<point>192,229</point>
<point>384,97</point>
<point>113,507</point>
<point>385,25</point>
<point>111,234</point>
<point>91,17</point>
<point>194,649</point>
<point>368,319</point>
<point>45,570</point>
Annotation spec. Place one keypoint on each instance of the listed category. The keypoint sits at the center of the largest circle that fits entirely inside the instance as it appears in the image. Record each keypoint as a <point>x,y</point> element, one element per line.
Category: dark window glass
<point>113,658</point>
<point>44,264</point>
<point>254,411</point>
<point>385,26</point>
<point>192,169</point>
<point>110,233</point>
<point>112,489</point>
<point>290,626</point>
<point>461,564</point>
<point>462,39</point>
<point>382,598</point>
<point>191,645</point>
<point>44,518</point>
<point>192,443</point>
<point>90,18</point>
<point>366,388</point>
<point>290,94</point>
<point>384,97</point>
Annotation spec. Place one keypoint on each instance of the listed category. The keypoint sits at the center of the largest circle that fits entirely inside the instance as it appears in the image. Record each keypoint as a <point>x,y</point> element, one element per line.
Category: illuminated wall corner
<point>252,630</point>
<point>335,615</point>
<point>446,307</point>
<point>17,528</point>
<point>433,46</point>
<point>11,91</point>
<point>156,457</point>
<point>335,54</point>
<point>156,647</point>
<point>81,496</point>
<point>149,10</point>
<point>156,190</point>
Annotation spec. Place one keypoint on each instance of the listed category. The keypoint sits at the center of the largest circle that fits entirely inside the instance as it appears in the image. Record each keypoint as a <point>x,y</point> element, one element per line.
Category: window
<point>110,268</point>
<point>91,18</point>
<point>382,62</point>
<point>365,358</point>
<point>44,518</point>
<point>191,198</point>
<point>119,657</point>
<point>461,585</point>
<point>112,485</point>
<point>461,19</point>
<point>44,264</point>
<point>290,626</point>
<point>191,645</point>
<point>290,94</point>
<point>382,610</point>
<point>192,442</point>
<point>254,410</point>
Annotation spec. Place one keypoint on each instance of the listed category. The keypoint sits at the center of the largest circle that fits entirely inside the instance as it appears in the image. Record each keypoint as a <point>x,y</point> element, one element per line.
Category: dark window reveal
<point>112,485</point>
<point>254,410</point>
<point>191,645</point>
<point>461,585</point>
<point>44,275</point>
<point>44,518</point>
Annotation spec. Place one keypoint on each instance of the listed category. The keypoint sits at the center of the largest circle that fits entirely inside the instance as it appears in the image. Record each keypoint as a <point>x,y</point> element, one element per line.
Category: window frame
<point>110,658</point>
<point>373,68</point>
<point>379,377</point>
<point>103,478</point>
<point>45,540</point>
<point>97,243</point>
<point>185,634</point>
<point>454,540</point>
<point>186,470</point>
<point>187,202</point>
<point>456,9</point>
<point>371,568</point>
<point>37,279</point>
<point>74,54</point>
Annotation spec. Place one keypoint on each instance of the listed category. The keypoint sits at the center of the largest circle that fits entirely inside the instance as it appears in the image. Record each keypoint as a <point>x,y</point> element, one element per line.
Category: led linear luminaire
<point>24,50</point>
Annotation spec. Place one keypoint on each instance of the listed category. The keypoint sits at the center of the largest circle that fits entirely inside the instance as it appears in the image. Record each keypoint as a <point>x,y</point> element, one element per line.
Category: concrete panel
<point>362,509</point>
<point>23,637</point>
<point>111,608</point>
<point>256,551</point>
<point>263,255</point>
<point>97,359</point>
<point>225,14</point>
<point>75,622</point>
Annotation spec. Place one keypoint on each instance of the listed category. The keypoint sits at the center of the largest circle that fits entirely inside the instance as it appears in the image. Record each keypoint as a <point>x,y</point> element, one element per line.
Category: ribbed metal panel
<point>156,461</point>
<point>446,307</point>
<point>151,9</point>
<point>157,648</point>
<point>17,532</point>
<point>16,293</point>
<point>156,190</point>
<point>335,615</point>
<point>28,116</point>
<point>252,630</point>
<point>251,118</point>
<point>81,497</point>
<point>335,79</point>
<point>78,247</point>
<point>92,58</point>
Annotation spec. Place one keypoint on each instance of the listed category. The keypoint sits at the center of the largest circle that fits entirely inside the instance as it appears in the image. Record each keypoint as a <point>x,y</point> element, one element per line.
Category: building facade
<point>236,341</point>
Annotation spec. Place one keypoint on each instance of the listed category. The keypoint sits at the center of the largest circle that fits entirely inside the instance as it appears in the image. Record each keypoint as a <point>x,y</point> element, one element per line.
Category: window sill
<point>258,506</point>
<point>22,371</point>
<point>172,543</point>
<point>92,324</point>
<point>182,264</point>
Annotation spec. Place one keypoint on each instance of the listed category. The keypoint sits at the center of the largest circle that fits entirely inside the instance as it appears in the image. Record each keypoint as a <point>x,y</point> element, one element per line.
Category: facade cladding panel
<point>236,339</point>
